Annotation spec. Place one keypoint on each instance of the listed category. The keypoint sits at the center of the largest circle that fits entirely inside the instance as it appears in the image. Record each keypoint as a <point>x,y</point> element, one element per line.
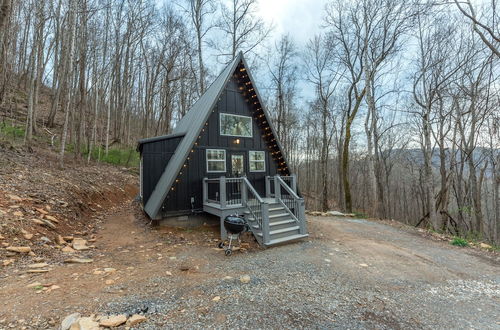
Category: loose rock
<point>19,249</point>
<point>42,211</point>
<point>38,270</point>
<point>67,249</point>
<point>38,265</point>
<point>135,319</point>
<point>78,261</point>
<point>34,284</point>
<point>60,240</point>
<point>49,224</point>
<point>69,320</point>
<point>28,236</point>
<point>38,222</point>
<point>245,279</point>
<point>51,218</point>
<point>113,321</point>
<point>80,244</point>
<point>85,323</point>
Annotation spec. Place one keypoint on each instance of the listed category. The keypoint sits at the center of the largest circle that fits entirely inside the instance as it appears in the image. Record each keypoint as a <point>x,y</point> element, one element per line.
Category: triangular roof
<point>190,126</point>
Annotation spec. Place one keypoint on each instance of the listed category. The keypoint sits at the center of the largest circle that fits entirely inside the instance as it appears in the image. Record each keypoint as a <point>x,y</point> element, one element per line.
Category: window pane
<point>215,154</point>
<point>259,166</point>
<point>216,160</point>
<point>235,125</point>
<point>256,155</point>
<point>216,166</point>
<point>257,161</point>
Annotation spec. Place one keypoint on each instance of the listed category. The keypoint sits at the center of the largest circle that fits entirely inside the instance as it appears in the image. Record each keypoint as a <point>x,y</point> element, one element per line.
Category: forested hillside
<point>391,109</point>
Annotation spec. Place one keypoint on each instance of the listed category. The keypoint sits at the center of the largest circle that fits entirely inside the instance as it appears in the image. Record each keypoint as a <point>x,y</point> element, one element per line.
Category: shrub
<point>11,131</point>
<point>458,241</point>
<point>117,156</point>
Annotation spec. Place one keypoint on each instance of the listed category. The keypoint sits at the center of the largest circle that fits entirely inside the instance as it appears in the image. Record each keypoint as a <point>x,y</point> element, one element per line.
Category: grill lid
<point>235,220</point>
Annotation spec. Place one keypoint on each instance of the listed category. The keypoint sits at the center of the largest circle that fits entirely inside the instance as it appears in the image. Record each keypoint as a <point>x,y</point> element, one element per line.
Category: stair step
<point>277,223</point>
<point>278,215</point>
<point>280,231</point>
<point>276,209</point>
<point>282,222</point>
<point>286,239</point>
<point>272,217</point>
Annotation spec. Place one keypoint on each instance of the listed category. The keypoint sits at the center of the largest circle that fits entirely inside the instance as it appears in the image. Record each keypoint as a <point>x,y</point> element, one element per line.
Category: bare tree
<point>241,27</point>
<point>488,30</point>
<point>199,12</point>
<point>324,75</point>
<point>283,70</point>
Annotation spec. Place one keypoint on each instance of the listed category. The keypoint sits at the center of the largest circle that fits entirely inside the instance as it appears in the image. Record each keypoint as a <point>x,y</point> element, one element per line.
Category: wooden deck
<point>278,217</point>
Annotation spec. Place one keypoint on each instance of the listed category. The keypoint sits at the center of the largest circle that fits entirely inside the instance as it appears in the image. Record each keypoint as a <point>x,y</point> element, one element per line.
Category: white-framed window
<point>216,160</point>
<point>257,160</point>
<point>235,125</point>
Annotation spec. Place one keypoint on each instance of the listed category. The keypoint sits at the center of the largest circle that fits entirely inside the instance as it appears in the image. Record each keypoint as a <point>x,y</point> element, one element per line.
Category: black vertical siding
<point>190,182</point>
<point>155,157</point>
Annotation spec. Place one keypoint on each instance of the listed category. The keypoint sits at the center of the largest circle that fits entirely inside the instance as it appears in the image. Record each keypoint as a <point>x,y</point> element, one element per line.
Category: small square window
<point>257,161</point>
<point>216,160</point>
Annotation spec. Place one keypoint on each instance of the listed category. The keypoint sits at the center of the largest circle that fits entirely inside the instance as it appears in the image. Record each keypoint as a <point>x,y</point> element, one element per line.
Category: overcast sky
<point>299,18</point>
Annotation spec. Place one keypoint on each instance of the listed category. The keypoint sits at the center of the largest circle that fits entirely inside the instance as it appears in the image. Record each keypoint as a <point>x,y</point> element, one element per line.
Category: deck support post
<point>205,190</point>
<point>302,216</point>
<point>277,187</point>
<point>223,231</point>
<point>294,183</point>
<point>268,186</point>
<point>222,191</point>
<point>265,223</point>
<point>243,189</point>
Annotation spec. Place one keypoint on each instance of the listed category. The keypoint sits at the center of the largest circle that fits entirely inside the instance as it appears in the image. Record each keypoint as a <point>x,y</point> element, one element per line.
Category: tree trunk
<point>69,47</point>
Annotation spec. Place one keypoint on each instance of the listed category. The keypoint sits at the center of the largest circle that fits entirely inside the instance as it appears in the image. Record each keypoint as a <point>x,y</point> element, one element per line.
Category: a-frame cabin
<point>222,158</point>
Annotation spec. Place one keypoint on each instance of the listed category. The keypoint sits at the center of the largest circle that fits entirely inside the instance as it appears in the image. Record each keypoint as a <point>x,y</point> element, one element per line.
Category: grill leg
<point>230,241</point>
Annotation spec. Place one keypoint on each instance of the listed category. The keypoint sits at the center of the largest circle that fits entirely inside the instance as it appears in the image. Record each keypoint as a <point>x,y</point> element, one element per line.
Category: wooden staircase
<point>282,226</point>
<point>275,219</point>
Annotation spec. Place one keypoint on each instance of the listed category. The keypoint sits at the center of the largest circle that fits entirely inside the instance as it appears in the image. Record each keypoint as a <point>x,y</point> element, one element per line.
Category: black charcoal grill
<point>234,225</point>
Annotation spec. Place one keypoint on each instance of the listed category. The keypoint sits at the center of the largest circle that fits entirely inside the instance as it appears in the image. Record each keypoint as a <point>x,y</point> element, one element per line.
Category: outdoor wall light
<point>237,141</point>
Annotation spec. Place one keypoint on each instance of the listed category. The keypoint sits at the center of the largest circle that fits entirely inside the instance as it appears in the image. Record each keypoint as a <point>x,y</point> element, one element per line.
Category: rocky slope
<point>43,209</point>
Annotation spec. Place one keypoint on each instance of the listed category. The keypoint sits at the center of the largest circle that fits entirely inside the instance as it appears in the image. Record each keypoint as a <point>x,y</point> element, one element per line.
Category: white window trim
<point>206,156</point>
<point>230,114</point>
<point>250,161</point>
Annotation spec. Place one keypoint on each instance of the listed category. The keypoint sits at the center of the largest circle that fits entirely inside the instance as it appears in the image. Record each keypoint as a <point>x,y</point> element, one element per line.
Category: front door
<point>237,165</point>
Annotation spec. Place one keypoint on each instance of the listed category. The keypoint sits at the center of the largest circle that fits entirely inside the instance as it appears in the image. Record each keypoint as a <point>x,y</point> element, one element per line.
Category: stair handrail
<point>262,217</point>
<point>252,189</point>
<point>287,187</point>
<point>299,209</point>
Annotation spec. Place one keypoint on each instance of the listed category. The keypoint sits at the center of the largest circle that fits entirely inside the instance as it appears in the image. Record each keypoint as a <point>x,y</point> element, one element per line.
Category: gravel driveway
<point>349,274</point>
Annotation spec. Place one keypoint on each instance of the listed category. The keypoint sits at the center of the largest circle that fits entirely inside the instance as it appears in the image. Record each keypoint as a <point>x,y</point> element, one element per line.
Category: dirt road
<point>349,274</point>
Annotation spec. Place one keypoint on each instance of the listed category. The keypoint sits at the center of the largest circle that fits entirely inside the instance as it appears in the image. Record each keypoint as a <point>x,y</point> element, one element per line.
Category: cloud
<point>299,18</point>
